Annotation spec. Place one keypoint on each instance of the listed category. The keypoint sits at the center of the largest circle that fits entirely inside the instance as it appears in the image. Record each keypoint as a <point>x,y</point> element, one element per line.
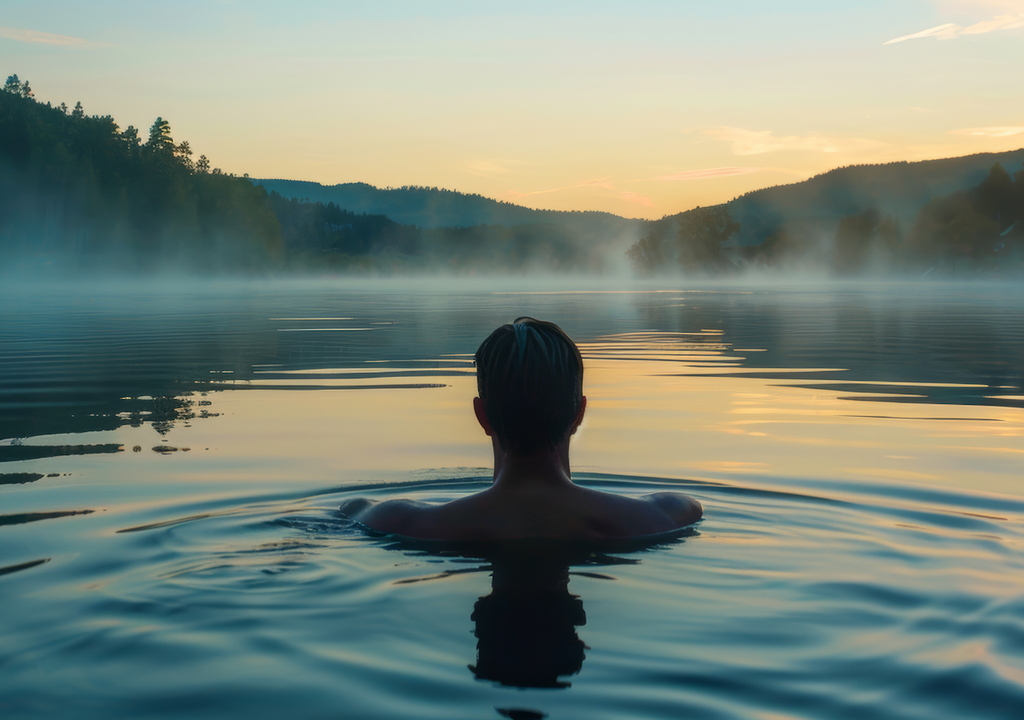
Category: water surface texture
<point>172,460</point>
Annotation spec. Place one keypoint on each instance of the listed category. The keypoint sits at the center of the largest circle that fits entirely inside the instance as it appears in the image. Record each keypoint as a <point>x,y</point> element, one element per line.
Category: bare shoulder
<point>467,518</point>
<point>623,516</point>
<point>580,514</point>
<point>683,509</point>
<point>389,516</point>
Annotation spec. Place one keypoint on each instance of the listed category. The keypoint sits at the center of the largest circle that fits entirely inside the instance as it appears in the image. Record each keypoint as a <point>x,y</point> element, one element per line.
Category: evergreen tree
<point>131,137</point>
<point>160,141</point>
<point>184,154</point>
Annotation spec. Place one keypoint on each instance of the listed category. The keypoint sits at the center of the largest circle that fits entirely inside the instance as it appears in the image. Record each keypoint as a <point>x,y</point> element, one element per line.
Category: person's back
<point>530,381</point>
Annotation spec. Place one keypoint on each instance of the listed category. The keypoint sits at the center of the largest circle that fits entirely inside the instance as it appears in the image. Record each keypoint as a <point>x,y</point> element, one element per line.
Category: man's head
<point>530,379</point>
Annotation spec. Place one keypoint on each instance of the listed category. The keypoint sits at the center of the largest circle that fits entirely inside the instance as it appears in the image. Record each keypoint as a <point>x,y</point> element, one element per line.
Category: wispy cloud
<point>992,132</point>
<point>949,31</point>
<point>755,142</point>
<point>941,32</point>
<point>709,173</point>
<point>603,183</point>
<point>44,38</point>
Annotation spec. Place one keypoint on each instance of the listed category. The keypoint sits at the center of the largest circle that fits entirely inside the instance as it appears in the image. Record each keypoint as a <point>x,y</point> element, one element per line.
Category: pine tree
<point>160,140</point>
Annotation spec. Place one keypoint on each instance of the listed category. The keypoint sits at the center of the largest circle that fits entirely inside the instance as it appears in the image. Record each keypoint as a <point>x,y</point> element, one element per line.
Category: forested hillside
<point>431,207</point>
<point>978,228</point>
<point>78,192</point>
<point>458,230</point>
<point>897,190</point>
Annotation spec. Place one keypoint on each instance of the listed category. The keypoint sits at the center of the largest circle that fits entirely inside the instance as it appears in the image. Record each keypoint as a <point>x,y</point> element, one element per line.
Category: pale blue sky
<point>644,109</point>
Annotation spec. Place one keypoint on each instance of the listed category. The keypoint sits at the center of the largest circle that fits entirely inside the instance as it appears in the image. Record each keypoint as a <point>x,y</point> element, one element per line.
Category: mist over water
<point>74,345</point>
<point>173,453</point>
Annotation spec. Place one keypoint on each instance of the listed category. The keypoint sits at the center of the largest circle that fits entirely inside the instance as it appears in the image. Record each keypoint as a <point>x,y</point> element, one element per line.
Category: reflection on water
<point>526,628</point>
<point>172,466</point>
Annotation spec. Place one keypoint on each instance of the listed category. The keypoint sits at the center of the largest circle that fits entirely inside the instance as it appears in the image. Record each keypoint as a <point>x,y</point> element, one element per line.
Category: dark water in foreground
<point>171,464</point>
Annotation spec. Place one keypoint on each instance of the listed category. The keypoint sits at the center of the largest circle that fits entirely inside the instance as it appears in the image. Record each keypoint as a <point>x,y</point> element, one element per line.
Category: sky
<point>643,109</point>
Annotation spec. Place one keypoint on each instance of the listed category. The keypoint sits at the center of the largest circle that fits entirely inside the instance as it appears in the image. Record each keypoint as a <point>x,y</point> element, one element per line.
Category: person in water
<point>530,383</point>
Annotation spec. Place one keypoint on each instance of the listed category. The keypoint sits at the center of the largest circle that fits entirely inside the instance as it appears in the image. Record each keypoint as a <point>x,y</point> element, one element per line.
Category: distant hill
<point>897,189</point>
<point>951,216</point>
<point>463,232</point>
<point>436,208</point>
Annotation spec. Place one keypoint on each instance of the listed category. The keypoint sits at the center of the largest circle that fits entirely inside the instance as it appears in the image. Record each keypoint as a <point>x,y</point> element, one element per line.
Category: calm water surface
<point>172,458</point>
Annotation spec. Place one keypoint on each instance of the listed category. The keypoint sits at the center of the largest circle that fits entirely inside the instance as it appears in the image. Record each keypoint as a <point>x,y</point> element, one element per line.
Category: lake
<point>173,454</point>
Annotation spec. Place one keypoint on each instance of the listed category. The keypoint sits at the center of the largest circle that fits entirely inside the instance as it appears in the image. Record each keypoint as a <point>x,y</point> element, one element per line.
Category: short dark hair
<point>529,375</point>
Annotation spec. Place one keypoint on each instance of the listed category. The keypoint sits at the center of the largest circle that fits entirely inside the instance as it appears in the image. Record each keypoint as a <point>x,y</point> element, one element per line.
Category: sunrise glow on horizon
<point>641,110</point>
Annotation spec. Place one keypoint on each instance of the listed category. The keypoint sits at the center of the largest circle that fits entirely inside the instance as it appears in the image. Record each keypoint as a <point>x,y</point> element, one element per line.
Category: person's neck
<point>544,467</point>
